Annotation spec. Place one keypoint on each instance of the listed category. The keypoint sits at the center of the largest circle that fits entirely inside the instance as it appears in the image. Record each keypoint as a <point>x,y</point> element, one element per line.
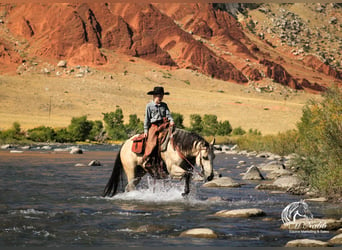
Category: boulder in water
<point>199,233</point>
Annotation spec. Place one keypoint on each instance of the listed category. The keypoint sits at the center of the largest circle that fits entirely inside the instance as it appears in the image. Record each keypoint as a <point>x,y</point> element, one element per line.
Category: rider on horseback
<point>157,121</point>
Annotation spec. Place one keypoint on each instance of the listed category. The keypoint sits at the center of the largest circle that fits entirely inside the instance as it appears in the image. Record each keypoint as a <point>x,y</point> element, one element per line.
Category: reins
<point>181,155</point>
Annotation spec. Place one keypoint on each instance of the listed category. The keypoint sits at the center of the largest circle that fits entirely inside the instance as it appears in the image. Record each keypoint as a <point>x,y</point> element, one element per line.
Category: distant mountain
<point>240,43</point>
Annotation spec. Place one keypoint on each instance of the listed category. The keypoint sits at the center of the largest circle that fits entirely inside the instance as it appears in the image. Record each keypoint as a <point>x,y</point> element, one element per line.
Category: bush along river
<point>52,198</point>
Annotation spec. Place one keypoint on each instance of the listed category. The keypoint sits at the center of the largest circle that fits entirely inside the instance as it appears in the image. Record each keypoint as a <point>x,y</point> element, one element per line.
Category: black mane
<point>186,140</point>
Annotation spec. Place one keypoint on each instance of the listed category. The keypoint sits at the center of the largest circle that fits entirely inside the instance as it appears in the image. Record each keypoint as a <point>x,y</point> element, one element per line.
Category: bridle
<point>182,156</point>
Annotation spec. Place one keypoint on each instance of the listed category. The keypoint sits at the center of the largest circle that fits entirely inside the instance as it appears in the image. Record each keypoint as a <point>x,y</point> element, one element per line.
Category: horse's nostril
<point>210,177</point>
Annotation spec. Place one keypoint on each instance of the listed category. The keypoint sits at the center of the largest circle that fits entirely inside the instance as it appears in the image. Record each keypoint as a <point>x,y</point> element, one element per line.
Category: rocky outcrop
<point>315,63</point>
<point>279,74</point>
<point>253,173</point>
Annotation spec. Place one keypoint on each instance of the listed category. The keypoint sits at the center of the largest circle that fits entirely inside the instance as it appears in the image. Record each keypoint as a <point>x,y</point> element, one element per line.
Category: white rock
<point>199,233</point>
<point>307,243</point>
<point>76,150</point>
<point>94,163</point>
<point>287,182</point>
<point>80,165</point>
<point>247,212</point>
<point>16,151</point>
<point>313,224</point>
<point>336,239</point>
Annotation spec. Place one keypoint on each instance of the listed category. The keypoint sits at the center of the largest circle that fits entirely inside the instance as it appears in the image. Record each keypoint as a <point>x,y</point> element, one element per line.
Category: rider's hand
<point>172,123</point>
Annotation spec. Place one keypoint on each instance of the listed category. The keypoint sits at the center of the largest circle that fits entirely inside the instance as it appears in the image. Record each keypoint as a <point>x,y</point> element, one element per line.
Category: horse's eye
<point>205,158</point>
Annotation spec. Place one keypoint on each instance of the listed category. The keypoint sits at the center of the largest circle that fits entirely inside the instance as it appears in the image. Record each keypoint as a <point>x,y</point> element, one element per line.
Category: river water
<point>46,201</point>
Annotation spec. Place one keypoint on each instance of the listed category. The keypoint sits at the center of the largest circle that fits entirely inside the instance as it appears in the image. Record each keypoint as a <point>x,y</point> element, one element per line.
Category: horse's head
<point>205,160</point>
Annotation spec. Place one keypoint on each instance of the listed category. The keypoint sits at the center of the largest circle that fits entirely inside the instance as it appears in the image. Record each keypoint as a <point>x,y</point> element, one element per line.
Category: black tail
<point>113,183</point>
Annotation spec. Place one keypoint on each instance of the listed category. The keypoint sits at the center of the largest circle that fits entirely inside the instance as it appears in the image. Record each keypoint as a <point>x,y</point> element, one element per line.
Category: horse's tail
<point>113,183</point>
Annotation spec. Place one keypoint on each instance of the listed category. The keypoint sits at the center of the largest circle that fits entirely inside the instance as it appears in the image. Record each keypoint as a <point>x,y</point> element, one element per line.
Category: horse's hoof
<point>185,194</point>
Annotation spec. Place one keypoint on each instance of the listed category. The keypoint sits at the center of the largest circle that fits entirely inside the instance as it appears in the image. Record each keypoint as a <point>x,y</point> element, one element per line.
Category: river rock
<point>278,173</point>
<point>25,147</point>
<point>306,243</point>
<point>46,147</point>
<point>271,166</point>
<point>336,239</point>
<point>76,150</point>
<point>253,173</point>
<point>199,233</point>
<point>319,199</point>
<point>287,182</point>
<point>313,224</point>
<point>16,151</point>
<point>94,163</point>
<point>222,182</point>
<point>80,165</point>
<point>6,146</point>
<point>247,212</point>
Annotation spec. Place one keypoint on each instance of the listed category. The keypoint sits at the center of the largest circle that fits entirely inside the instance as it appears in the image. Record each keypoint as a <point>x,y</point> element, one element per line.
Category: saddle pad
<point>138,145</point>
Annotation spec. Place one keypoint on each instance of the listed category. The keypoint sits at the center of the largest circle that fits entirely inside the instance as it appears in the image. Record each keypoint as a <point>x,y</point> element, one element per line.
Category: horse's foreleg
<point>187,177</point>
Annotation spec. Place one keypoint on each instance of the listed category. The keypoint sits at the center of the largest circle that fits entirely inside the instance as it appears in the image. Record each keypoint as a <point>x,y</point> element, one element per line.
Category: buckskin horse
<point>184,150</point>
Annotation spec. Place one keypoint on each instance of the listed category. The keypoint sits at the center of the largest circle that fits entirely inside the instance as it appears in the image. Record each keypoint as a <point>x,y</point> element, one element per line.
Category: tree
<point>80,128</point>
<point>134,126</point>
<point>210,124</point>
<point>114,124</point>
<point>196,123</point>
<point>224,128</point>
<point>178,119</point>
<point>96,130</point>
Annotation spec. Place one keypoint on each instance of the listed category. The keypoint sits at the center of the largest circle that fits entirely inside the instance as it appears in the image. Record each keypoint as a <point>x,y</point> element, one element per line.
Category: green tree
<point>224,128</point>
<point>196,123</point>
<point>114,124</point>
<point>134,126</point>
<point>178,119</point>
<point>80,128</point>
<point>210,125</point>
<point>63,135</point>
<point>96,130</point>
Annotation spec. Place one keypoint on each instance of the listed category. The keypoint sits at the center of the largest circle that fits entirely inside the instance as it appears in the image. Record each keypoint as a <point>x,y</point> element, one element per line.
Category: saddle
<point>139,144</point>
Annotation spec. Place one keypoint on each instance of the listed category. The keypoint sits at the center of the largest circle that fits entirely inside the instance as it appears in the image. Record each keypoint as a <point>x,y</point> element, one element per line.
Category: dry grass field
<point>26,98</point>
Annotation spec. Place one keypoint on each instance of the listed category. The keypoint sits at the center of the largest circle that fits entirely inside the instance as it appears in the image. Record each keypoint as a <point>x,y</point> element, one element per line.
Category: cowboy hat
<point>158,91</point>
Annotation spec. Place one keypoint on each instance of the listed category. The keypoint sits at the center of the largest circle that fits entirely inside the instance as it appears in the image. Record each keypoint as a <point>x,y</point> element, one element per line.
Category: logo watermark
<point>299,219</point>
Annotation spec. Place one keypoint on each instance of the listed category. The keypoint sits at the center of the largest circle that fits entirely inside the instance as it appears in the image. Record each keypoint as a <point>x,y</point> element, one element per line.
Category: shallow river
<point>46,201</point>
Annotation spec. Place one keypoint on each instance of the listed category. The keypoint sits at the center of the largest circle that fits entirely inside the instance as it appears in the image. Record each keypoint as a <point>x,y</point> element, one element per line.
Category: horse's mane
<point>186,140</point>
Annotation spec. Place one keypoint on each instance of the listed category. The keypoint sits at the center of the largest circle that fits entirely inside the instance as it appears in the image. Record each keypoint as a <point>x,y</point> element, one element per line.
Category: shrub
<point>13,134</point>
<point>63,135</point>
<point>320,133</point>
<point>238,131</point>
<point>224,128</point>
<point>209,124</point>
<point>41,134</point>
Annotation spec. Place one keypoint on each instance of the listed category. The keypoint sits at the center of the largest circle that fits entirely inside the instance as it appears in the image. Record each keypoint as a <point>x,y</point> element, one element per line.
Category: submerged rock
<point>307,243</point>
<point>313,224</point>
<point>199,233</point>
<point>94,163</point>
<point>336,239</point>
<point>247,212</point>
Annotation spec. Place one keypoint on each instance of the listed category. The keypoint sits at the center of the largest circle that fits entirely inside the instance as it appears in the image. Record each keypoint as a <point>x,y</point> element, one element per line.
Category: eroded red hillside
<point>194,36</point>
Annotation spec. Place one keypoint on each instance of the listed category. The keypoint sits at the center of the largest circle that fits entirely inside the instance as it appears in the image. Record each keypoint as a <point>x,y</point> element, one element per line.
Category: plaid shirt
<point>155,113</point>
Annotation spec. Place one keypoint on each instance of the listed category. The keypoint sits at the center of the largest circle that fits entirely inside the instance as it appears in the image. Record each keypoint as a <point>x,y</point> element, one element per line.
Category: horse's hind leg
<point>134,177</point>
<point>187,177</point>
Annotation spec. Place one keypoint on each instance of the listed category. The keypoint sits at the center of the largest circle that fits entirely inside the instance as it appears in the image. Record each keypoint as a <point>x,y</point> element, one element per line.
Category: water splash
<point>159,191</point>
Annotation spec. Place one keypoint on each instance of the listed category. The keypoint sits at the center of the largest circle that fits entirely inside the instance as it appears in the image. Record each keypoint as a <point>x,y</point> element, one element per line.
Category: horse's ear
<point>212,142</point>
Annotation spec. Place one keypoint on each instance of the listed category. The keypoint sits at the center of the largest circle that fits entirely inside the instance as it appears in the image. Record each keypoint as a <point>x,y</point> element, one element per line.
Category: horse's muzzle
<point>210,177</point>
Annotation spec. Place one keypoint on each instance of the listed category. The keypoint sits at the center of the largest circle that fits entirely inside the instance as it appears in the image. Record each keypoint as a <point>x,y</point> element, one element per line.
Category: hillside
<point>252,65</point>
